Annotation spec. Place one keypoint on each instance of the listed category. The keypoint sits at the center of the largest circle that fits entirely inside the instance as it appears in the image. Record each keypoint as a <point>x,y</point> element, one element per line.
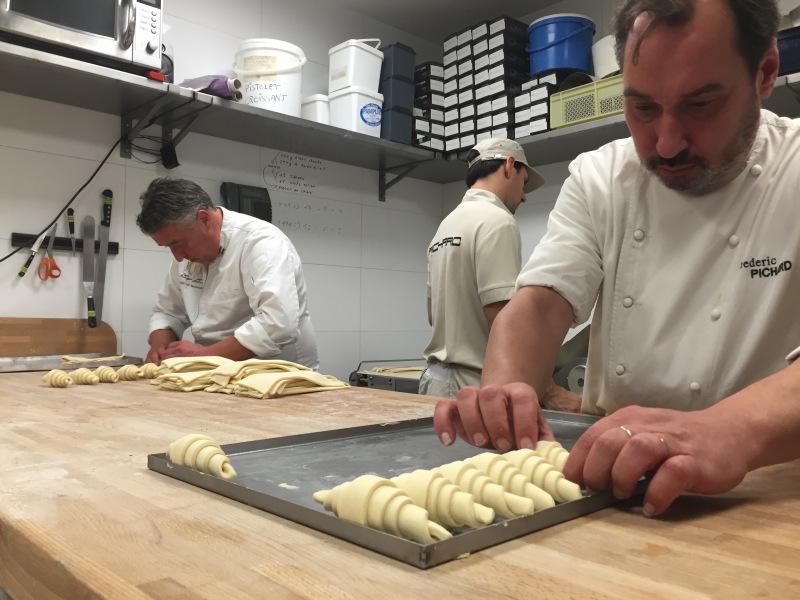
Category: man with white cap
<point>473,263</point>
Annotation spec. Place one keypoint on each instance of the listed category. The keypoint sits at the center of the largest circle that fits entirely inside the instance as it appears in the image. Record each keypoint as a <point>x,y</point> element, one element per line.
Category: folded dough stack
<point>189,381</point>
<point>272,385</point>
<point>410,372</point>
<point>226,377</point>
<point>183,364</point>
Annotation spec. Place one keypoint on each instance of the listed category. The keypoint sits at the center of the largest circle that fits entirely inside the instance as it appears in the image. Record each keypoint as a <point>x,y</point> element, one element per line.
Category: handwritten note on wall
<point>292,173</point>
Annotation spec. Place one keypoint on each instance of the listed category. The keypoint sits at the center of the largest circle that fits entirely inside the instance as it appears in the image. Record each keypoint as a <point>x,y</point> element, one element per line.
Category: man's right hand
<point>503,417</point>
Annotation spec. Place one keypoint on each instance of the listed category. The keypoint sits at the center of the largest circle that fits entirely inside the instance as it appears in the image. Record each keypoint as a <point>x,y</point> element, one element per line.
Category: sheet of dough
<point>272,385</point>
<point>185,364</point>
<point>190,381</point>
<point>230,374</point>
<point>79,359</point>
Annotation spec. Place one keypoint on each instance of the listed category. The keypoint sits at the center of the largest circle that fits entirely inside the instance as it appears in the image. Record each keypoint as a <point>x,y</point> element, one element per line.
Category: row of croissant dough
<point>104,374</point>
<point>423,504</point>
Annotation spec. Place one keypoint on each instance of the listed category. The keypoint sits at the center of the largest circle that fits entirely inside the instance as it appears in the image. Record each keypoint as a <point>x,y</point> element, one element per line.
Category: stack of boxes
<point>397,88</point>
<point>532,106</point>
<point>429,105</point>
<point>485,67</point>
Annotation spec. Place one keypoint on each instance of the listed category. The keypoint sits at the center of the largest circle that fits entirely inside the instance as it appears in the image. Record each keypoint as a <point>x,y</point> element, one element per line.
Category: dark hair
<point>756,24</point>
<point>167,200</point>
<point>484,168</point>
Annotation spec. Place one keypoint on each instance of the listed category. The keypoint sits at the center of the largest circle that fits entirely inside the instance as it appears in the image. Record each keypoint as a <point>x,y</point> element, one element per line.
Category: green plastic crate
<point>594,100</point>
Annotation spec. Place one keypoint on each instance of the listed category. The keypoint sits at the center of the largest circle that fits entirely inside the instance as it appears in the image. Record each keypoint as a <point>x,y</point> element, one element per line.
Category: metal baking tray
<point>14,364</point>
<point>280,476</point>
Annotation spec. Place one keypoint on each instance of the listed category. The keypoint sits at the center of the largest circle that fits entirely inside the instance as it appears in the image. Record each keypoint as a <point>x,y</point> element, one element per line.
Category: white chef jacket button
<point>756,170</point>
<point>638,235</point>
<point>733,241</point>
<point>715,314</point>
<point>620,370</point>
<point>694,386</point>
<point>627,302</point>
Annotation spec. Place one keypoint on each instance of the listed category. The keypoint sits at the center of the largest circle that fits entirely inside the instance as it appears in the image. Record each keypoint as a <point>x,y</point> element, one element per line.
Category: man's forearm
<point>230,348</point>
<point>161,337</point>
<point>764,418</point>
<point>525,337</point>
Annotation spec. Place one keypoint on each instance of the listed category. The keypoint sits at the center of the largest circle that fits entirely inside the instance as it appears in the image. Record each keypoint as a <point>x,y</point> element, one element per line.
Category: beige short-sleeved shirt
<point>473,261</point>
<point>697,297</point>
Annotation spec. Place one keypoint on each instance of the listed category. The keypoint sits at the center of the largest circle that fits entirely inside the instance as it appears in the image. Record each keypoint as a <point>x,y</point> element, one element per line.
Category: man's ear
<point>509,167</point>
<point>768,71</point>
<point>203,216</point>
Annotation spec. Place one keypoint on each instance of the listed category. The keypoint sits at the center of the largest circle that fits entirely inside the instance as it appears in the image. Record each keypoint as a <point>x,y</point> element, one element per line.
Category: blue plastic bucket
<point>561,42</point>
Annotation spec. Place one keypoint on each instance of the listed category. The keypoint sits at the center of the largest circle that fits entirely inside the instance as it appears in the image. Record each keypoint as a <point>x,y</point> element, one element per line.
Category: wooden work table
<point>81,516</point>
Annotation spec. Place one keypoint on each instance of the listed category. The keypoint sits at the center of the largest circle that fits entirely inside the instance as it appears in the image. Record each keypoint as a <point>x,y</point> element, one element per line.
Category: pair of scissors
<point>48,269</point>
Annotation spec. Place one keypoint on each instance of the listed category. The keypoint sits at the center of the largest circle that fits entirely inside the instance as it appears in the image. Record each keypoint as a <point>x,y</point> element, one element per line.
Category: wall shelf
<point>38,74</point>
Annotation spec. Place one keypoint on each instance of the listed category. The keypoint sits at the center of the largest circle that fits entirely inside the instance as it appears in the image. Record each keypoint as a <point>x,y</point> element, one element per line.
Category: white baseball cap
<point>501,149</point>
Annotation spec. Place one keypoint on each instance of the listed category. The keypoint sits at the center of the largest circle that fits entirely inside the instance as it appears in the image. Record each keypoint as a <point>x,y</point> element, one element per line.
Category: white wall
<point>364,259</point>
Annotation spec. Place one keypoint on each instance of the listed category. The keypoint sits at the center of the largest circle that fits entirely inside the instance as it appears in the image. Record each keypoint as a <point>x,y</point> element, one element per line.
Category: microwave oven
<point>123,34</point>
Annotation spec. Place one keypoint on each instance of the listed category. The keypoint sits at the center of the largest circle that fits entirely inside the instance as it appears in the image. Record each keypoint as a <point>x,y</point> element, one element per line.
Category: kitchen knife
<point>87,235</point>
<point>100,275</point>
<point>71,223</point>
<point>34,250</point>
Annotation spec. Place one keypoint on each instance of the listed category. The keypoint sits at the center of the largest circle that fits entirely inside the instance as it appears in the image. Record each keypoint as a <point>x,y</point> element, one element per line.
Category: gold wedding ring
<point>666,446</point>
<point>626,430</point>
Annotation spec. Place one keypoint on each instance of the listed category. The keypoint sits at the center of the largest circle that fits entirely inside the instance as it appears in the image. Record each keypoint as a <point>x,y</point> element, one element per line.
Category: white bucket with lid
<point>604,57</point>
<point>316,108</point>
<point>271,72</point>
<point>357,109</point>
<point>355,63</point>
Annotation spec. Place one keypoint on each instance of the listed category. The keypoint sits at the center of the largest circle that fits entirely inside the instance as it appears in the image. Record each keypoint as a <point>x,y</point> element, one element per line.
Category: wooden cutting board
<point>41,337</point>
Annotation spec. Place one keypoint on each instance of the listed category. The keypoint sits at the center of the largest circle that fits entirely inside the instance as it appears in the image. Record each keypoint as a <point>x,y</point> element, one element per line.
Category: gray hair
<point>756,24</point>
<point>171,201</point>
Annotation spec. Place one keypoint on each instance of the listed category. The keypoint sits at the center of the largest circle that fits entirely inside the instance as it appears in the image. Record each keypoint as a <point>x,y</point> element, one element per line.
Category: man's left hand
<point>680,451</point>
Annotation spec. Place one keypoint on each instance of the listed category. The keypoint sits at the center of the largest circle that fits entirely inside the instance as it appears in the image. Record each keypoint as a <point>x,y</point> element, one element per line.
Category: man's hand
<point>682,451</point>
<point>503,417</point>
<point>184,348</point>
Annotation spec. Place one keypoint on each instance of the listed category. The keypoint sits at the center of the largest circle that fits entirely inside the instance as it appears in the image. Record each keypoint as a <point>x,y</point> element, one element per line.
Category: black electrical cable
<point>66,206</point>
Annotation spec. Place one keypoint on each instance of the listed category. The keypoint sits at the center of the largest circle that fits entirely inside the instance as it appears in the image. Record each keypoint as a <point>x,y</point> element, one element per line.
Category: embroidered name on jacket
<point>766,267</point>
<point>448,241</point>
<point>192,276</point>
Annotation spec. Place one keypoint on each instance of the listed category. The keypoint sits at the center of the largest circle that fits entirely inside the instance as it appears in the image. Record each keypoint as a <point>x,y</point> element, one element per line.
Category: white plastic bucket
<point>357,109</point>
<point>271,74</point>
<point>355,63</point>
<point>604,58</point>
<point>316,108</point>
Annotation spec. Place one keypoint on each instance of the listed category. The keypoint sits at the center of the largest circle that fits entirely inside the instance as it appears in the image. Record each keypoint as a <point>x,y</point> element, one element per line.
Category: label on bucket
<point>371,114</point>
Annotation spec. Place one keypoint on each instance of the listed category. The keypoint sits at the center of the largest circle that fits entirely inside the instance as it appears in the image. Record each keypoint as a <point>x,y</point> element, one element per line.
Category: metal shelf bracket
<point>384,185</point>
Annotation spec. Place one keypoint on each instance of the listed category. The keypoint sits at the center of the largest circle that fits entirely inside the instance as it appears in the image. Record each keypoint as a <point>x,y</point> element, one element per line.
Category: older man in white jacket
<point>237,281</point>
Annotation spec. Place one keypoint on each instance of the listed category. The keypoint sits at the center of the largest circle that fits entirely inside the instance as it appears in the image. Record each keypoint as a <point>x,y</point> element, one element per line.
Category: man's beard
<point>732,161</point>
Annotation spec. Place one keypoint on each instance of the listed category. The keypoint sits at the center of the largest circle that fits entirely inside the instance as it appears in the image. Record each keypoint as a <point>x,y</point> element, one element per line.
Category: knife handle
<point>91,312</point>
<point>108,199</point>
<point>27,264</point>
<point>71,221</point>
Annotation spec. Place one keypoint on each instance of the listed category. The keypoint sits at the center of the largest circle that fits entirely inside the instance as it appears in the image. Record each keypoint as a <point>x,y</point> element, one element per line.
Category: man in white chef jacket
<point>686,235</point>
<point>236,280</point>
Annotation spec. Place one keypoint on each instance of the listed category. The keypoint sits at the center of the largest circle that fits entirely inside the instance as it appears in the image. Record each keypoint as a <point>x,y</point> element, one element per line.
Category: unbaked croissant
<point>504,473</point>
<point>57,378</point>
<point>202,453</point>
<point>149,370</point>
<point>552,452</point>
<point>543,474</point>
<point>445,502</point>
<point>106,374</point>
<point>129,373</point>
<point>84,376</point>
<point>378,503</point>
<point>472,480</point>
